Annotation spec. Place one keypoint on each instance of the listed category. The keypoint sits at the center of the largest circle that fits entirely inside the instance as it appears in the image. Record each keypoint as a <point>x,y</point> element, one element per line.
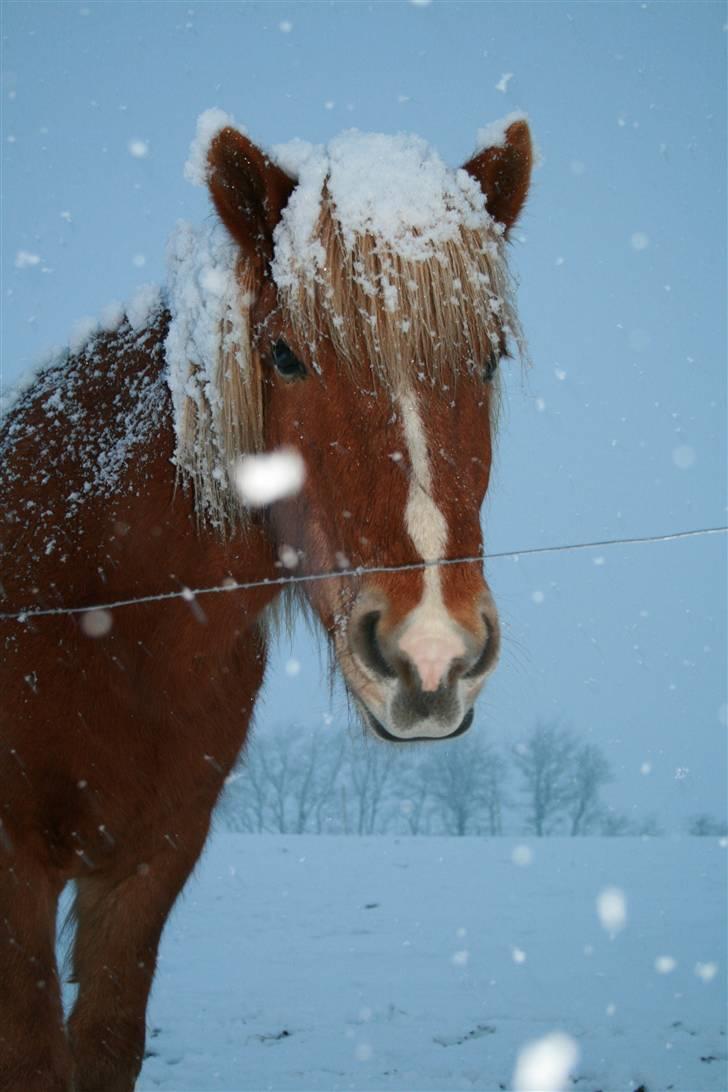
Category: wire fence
<point>230,585</point>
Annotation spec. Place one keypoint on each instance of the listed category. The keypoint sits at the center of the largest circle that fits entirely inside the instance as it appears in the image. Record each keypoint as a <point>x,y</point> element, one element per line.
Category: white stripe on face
<point>425,522</point>
<point>430,639</point>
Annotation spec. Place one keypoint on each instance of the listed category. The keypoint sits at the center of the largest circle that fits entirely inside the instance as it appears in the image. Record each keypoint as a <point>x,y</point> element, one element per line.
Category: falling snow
<point>612,910</point>
<point>96,623</point>
<point>263,479</point>
<point>522,855</point>
<point>545,1065</point>
<point>706,972</point>
<point>25,259</point>
<point>139,149</point>
<point>684,457</point>
<point>639,240</point>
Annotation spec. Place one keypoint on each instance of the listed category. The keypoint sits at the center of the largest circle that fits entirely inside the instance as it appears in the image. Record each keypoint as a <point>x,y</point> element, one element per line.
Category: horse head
<point>378,305</point>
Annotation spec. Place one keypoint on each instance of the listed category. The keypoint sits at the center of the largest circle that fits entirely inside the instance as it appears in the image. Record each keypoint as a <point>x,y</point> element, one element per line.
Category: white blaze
<point>425,522</point>
<point>430,639</point>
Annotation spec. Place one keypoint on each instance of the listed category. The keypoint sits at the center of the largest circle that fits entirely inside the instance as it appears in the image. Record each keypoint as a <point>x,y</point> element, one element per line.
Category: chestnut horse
<point>352,303</point>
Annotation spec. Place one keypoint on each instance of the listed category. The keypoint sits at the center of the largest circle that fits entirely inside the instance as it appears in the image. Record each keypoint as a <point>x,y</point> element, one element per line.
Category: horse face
<point>392,479</point>
<point>396,471</point>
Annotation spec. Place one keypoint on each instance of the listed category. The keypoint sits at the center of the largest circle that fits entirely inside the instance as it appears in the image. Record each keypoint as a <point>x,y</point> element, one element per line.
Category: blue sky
<point>619,427</point>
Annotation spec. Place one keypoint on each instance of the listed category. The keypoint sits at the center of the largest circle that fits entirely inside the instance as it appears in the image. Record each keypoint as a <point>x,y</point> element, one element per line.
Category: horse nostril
<point>369,648</point>
<point>489,652</point>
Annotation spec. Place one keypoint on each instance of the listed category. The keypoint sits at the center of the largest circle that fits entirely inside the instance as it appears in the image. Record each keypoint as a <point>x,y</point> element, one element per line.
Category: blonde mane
<point>403,317</point>
<point>390,312</point>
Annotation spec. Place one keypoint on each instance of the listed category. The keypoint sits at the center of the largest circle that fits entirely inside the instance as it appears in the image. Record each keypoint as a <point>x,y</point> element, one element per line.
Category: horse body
<point>120,726</point>
<point>123,812</point>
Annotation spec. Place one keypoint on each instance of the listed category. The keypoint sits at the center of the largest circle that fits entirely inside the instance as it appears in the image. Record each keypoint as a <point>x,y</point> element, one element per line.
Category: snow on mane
<point>214,383</point>
<point>393,187</point>
<point>392,256</point>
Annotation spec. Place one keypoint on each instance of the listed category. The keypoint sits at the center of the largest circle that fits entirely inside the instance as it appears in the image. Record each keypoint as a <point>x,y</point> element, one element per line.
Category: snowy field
<point>427,963</point>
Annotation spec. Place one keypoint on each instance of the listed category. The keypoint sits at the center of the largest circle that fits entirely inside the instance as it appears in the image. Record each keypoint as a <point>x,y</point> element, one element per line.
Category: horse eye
<point>491,366</point>
<point>287,363</point>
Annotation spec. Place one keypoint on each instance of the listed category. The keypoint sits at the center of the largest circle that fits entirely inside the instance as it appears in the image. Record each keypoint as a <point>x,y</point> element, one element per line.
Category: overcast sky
<point>618,430</point>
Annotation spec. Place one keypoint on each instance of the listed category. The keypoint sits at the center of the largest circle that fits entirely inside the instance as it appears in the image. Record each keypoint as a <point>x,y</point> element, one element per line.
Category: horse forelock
<point>404,318</point>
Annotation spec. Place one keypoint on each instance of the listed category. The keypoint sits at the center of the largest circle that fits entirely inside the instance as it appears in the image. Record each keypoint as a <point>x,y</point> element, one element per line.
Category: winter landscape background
<point>617,431</point>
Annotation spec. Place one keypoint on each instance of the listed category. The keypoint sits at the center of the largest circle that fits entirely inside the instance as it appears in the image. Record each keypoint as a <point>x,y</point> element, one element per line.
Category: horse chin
<point>377,728</point>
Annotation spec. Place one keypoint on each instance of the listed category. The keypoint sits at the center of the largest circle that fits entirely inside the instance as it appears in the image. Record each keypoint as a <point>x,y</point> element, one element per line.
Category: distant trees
<point>495,799</point>
<point>615,824</point>
<point>369,776</point>
<point>545,761</point>
<point>647,826</point>
<point>561,781</point>
<point>591,773</point>
<point>301,781</point>
<point>284,784</point>
<point>293,782</point>
<point>465,783</point>
<point>708,826</point>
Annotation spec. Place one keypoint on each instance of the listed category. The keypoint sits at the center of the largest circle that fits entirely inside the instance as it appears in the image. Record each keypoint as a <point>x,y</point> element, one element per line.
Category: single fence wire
<point>230,585</point>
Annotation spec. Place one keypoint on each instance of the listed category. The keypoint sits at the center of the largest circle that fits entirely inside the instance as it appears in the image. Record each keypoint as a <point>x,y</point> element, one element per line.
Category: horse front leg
<point>119,922</point>
<point>34,1054</point>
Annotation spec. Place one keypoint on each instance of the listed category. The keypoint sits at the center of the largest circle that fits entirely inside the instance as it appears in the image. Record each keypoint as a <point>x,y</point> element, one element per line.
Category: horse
<point>349,305</point>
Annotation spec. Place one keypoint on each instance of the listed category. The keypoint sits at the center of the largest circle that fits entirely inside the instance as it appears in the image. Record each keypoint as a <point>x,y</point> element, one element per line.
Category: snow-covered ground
<point>317,963</point>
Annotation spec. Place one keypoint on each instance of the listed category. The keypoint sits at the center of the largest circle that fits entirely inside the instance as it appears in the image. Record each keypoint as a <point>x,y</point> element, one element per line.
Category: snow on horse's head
<point>371,304</point>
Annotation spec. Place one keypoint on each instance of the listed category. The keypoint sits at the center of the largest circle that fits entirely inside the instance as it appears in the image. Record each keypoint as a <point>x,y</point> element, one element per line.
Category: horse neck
<point>135,532</point>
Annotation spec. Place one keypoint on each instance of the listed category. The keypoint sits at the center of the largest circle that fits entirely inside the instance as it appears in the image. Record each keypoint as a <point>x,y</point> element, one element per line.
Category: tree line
<point>297,781</point>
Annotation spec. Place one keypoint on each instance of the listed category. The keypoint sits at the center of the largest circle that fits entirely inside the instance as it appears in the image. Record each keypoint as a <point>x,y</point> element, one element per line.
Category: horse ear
<point>249,191</point>
<point>504,172</point>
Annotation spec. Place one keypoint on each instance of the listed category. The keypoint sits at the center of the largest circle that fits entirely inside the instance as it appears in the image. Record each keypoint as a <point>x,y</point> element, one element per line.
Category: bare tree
<point>615,824</point>
<point>244,803</point>
<point>278,772</point>
<point>648,826</point>
<point>495,774</point>
<point>370,770</point>
<point>284,782</point>
<point>329,777</point>
<point>412,799</point>
<point>708,826</point>
<point>319,759</point>
<point>590,772</point>
<point>465,784</point>
<point>545,761</point>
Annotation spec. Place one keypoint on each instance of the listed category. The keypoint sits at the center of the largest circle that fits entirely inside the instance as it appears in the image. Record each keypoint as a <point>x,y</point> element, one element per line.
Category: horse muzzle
<point>417,680</point>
